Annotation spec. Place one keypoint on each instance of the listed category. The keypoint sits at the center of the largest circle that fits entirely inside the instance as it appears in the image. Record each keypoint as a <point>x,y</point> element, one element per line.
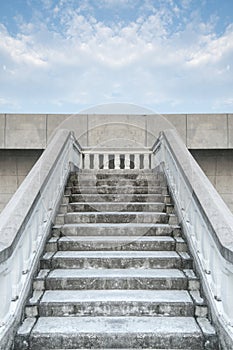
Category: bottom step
<point>114,332</point>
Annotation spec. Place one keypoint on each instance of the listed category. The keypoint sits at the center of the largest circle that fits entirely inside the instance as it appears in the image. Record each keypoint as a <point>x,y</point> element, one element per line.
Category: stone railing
<point>208,226</point>
<point>117,158</point>
<point>25,224</point>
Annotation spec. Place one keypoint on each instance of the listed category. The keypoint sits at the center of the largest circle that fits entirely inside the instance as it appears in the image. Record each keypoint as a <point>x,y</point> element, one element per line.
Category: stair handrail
<point>207,223</point>
<point>25,224</point>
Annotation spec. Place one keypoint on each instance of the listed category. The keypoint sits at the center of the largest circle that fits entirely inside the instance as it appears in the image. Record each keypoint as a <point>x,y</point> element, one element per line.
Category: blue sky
<point>63,56</point>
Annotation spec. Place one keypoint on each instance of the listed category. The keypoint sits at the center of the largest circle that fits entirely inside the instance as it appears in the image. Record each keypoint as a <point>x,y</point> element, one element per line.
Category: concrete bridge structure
<point>41,155</point>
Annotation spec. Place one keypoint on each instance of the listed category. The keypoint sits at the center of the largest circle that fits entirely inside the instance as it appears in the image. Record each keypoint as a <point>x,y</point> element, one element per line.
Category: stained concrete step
<point>112,260</point>
<point>116,279</point>
<point>113,217</point>
<point>117,182</point>
<point>116,189</point>
<point>119,206</point>
<point>123,174</point>
<point>127,229</point>
<point>114,243</point>
<point>116,303</point>
<point>118,198</point>
<point>115,332</point>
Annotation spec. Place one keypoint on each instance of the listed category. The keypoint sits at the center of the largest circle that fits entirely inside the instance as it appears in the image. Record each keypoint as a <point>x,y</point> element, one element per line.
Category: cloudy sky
<point>171,56</point>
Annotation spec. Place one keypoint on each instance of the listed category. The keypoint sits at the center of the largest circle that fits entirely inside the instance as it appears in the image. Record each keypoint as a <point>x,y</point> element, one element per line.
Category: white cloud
<point>117,3</point>
<point>83,61</point>
<point>213,49</point>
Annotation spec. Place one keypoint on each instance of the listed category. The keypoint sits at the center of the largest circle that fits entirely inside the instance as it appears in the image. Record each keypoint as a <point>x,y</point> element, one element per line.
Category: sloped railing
<point>208,225</point>
<point>25,224</point>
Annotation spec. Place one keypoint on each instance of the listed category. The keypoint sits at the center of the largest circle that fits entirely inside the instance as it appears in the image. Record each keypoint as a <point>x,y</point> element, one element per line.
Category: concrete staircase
<point>116,272</point>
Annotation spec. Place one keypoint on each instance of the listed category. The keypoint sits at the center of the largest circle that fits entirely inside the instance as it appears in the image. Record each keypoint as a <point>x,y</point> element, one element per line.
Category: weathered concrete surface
<point>25,131</point>
<point>115,298</point>
<point>14,166</point>
<point>198,131</point>
<point>2,130</point>
<point>218,166</point>
<point>207,131</point>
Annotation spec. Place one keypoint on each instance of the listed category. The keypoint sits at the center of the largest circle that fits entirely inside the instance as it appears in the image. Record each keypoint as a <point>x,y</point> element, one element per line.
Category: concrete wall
<point>208,136</point>
<point>33,131</point>
<point>218,166</point>
<point>14,166</point>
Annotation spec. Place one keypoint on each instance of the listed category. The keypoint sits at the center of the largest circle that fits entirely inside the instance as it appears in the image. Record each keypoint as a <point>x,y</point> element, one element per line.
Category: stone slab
<point>119,206</point>
<point>116,229</point>
<point>116,303</point>
<point>179,121</point>
<point>115,254</point>
<point>75,122</point>
<point>112,130</point>
<point>72,325</point>
<point>121,332</point>
<point>116,295</point>
<point>2,130</point>
<point>230,130</point>
<point>111,259</point>
<point>8,184</point>
<point>122,243</point>
<point>112,273</point>
<point>207,131</point>
<point>25,131</point>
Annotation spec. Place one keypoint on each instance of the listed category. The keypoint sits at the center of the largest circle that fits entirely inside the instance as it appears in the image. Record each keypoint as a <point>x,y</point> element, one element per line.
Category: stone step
<point>94,182</point>
<point>112,260</point>
<point>115,190</point>
<point>116,279</point>
<point>115,332</point>
<point>116,303</point>
<point>127,198</point>
<point>113,217</point>
<point>123,173</point>
<point>115,243</point>
<point>118,177</point>
<point>127,229</point>
<point>120,206</point>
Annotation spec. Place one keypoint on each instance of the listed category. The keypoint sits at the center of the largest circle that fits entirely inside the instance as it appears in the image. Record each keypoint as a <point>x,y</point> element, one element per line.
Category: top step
<point>117,174</point>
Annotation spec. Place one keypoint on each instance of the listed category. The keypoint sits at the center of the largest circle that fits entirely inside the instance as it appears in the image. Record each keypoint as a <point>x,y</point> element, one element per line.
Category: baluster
<point>146,161</point>
<point>117,161</point>
<point>96,161</point>
<point>127,161</point>
<point>105,161</point>
<point>136,161</point>
<point>216,273</point>
<point>16,273</point>
<point>226,290</point>
<point>5,292</point>
<point>154,161</point>
<point>86,161</point>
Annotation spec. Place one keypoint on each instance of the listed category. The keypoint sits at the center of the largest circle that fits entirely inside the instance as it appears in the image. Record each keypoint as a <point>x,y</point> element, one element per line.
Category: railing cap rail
<point>116,150</point>
<point>216,212</point>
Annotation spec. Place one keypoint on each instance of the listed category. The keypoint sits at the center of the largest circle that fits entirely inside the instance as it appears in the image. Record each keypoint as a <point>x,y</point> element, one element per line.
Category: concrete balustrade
<point>208,225</point>
<point>117,159</point>
<point>25,224</point>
